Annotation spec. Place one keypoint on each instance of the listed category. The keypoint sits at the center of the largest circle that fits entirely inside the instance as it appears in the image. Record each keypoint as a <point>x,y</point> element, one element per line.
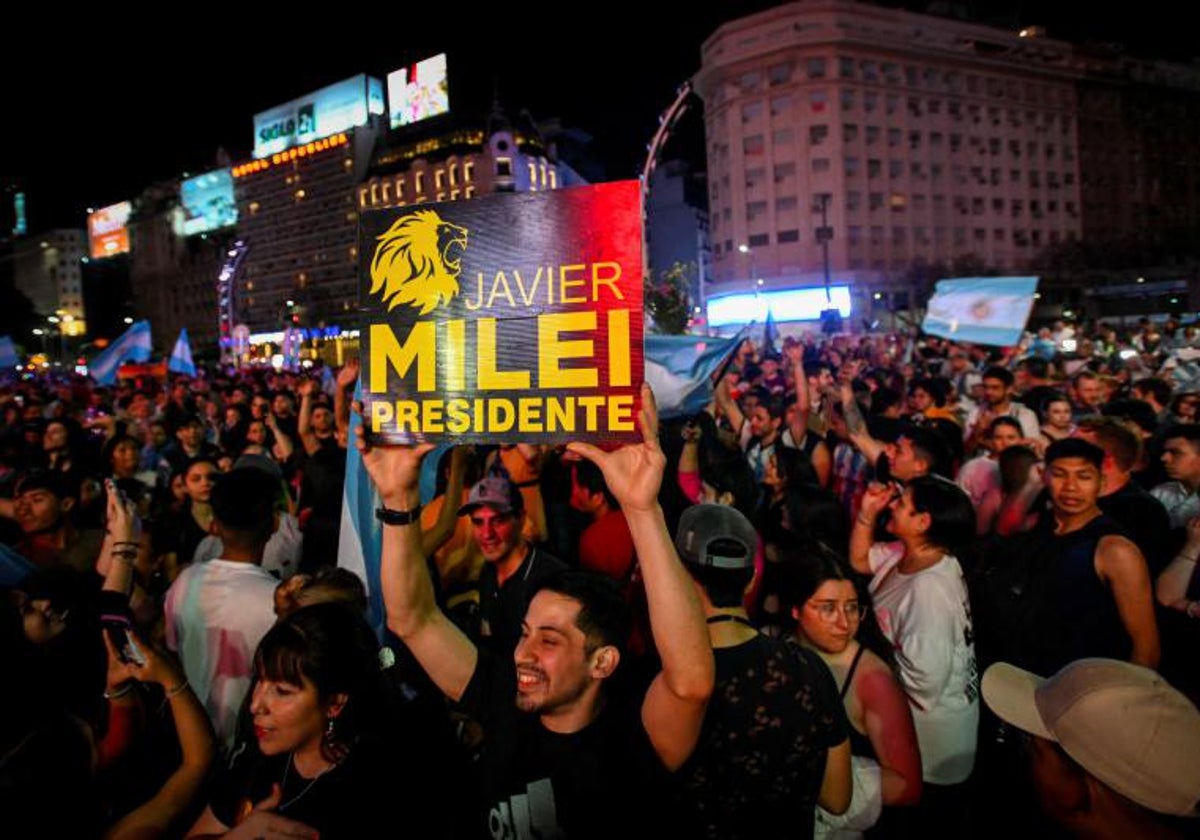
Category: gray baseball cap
<point>717,537</point>
<point>497,492</point>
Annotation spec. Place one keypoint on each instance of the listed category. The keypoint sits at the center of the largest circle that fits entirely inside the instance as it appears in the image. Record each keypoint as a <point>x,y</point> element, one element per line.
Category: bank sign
<point>339,107</point>
<point>511,317</point>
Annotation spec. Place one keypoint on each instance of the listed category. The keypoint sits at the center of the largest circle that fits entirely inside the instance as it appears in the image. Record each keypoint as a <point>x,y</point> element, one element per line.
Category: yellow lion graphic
<point>413,262</point>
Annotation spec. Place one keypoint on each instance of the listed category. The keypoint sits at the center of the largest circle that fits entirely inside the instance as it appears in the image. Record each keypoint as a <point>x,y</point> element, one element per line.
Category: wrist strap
<point>398,517</point>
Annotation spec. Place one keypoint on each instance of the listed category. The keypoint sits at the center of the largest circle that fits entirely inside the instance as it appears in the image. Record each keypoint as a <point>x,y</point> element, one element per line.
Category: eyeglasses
<point>25,605</point>
<point>828,610</point>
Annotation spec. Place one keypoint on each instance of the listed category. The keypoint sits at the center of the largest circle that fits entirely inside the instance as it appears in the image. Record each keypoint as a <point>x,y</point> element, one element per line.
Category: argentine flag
<point>681,370</point>
<point>181,356</point>
<point>981,310</point>
<point>132,346</point>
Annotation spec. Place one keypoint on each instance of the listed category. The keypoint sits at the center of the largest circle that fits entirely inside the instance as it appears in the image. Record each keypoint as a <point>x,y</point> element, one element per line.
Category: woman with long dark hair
<point>920,600</point>
<point>319,759</point>
<point>833,618</point>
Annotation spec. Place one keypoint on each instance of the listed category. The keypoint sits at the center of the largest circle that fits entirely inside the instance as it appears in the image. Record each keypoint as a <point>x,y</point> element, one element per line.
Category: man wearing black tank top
<point>774,740</point>
<point>1089,591</point>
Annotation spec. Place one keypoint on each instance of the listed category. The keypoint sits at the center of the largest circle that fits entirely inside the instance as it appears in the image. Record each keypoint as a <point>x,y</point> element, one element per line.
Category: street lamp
<point>755,282</point>
<point>127,320</point>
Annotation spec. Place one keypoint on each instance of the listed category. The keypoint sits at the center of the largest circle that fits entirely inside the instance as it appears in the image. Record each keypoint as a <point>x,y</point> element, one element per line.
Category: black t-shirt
<point>758,769</point>
<point>371,788</point>
<point>502,607</point>
<point>604,781</point>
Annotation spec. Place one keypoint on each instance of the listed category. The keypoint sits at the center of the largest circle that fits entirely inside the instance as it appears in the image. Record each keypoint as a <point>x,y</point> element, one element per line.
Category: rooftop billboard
<point>206,203</point>
<point>418,92</point>
<point>338,107</point>
<point>108,232</point>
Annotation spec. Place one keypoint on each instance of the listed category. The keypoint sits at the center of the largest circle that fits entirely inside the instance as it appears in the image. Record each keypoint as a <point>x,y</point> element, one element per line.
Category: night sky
<point>96,113</point>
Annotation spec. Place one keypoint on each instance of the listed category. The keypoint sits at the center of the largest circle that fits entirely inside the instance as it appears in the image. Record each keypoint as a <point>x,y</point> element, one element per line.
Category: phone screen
<point>127,649</point>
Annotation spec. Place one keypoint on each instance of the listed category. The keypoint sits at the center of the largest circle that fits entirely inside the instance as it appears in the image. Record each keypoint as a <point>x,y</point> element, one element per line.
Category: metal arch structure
<point>226,296</point>
<point>666,124</point>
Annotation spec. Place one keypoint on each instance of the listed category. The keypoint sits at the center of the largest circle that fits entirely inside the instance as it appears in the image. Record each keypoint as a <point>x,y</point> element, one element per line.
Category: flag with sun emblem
<point>981,310</point>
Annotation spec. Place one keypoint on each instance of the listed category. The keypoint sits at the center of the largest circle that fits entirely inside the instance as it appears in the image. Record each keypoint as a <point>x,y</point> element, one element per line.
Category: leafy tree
<point>667,299</point>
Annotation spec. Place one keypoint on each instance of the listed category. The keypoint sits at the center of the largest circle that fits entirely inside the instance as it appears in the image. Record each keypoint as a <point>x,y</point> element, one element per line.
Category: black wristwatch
<point>398,517</point>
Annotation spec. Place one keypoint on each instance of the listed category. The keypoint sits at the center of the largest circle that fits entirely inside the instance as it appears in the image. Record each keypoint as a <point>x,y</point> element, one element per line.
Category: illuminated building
<point>928,139</point>
<point>297,215</point>
<point>173,277</point>
<point>47,268</point>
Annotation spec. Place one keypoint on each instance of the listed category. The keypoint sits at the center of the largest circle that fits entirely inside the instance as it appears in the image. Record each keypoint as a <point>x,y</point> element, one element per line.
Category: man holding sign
<point>567,758</point>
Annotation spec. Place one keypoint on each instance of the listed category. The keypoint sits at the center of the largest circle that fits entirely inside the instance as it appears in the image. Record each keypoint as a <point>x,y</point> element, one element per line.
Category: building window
<point>895,168</point>
<point>847,99</point>
<point>786,236</point>
<point>851,164</point>
<point>752,111</point>
<point>845,67</point>
<point>817,134</point>
<point>503,169</point>
<point>453,170</point>
<point>817,100</point>
<point>898,202</point>
<point>783,205</point>
<point>874,167</point>
<point>816,68</point>
<point>753,145</point>
<point>780,74</point>
<point>784,170</point>
<point>872,134</point>
<point>853,200</point>
<point>820,165</point>
<point>419,181</point>
<point>893,137</point>
<point>781,104</point>
<point>468,171</point>
<point>870,101</point>
<point>849,132</point>
<point>783,136</point>
<point>754,209</point>
<point>758,240</point>
<point>749,82</point>
<point>439,179</point>
<point>875,201</point>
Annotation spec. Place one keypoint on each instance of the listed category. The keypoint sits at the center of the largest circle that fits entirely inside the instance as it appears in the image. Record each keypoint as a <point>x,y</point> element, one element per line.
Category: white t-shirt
<point>216,614</point>
<point>281,556</point>
<point>927,618</point>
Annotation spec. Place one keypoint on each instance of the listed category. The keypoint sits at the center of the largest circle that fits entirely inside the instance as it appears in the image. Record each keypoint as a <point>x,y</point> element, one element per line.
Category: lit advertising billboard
<point>419,92</point>
<point>206,203</point>
<point>107,231</point>
<point>786,305</point>
<point>339,107</point>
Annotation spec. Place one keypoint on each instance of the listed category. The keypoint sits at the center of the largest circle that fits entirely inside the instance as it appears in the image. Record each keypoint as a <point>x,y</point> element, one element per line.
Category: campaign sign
<point>511,317</point>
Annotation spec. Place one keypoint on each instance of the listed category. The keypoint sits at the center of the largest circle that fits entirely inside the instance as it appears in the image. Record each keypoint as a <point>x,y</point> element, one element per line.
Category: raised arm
<point>673,709</point>
<point>729,407</point>
<point>856,425</point>
<point>162,813</point>
<point>799,424</point>
<point>443,526</point>
<point>346,378</point>
<point>1120,564</point>
<point>1172,585</point>
<point>862,534</point>
<point>308,438</point>
<point>447,656</point>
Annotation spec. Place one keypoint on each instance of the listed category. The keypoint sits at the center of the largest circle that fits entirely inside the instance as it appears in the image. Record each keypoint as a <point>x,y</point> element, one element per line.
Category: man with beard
<point>569,758</point>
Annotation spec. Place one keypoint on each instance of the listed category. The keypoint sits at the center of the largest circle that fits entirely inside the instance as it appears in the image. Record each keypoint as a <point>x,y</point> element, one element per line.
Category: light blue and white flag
<point>132,346</point>
<point>360,541</point>
<point>681,370</point>
<point>181,356</point>
<point>981,310</point>
<point>8,353</point>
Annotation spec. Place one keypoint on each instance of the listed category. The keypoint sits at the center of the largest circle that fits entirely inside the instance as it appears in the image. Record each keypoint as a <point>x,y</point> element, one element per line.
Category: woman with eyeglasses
<point>920,603</point>
<point>829,614</point>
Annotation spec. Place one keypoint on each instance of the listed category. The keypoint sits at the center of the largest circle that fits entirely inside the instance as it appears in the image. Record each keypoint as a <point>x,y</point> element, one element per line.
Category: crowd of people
<point>881,585</point>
